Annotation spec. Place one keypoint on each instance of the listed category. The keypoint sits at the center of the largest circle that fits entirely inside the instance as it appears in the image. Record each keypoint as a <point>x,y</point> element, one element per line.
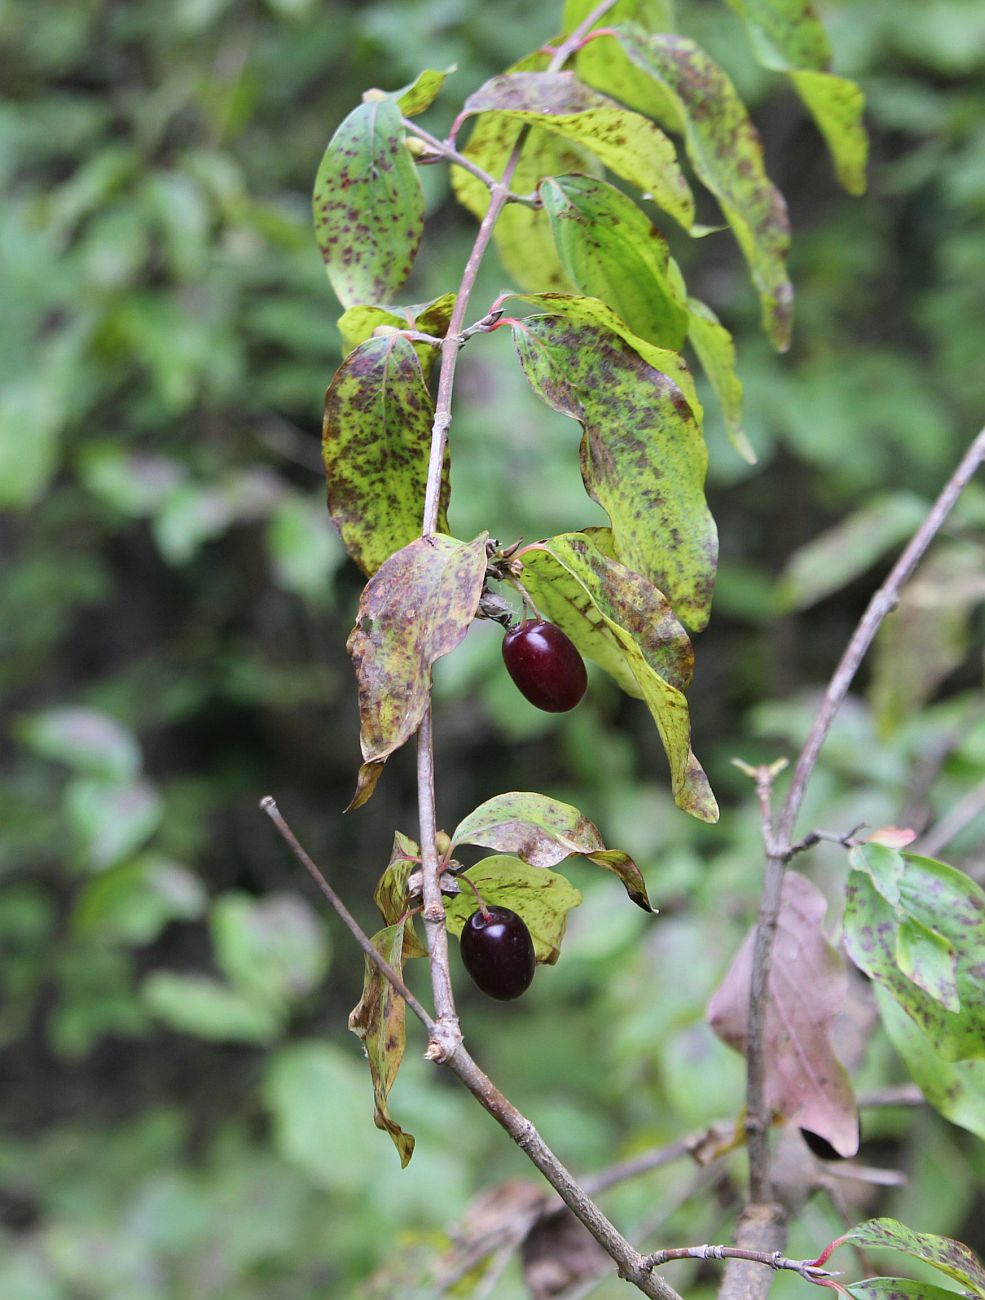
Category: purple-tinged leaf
<point>642,456</point>
<point>544,832</point>
<point>368,205</point>
<point>379,1019</point>
<point>375,444</point>
<point>416,608</point>
<point>808,983</point>
<point>953,1258</point>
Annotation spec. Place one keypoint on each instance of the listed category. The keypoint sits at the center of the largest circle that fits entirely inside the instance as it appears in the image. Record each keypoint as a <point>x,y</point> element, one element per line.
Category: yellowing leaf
<point>541,897</point>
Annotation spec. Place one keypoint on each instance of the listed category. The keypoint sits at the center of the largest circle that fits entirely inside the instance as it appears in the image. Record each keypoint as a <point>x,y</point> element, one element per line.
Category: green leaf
<point>379,1019</point>
<point>416,608</point>
<point>627,143</point>
<point>955,1088</point>
<point>207,1008</point>
<point>948,1256</point>
<point>897,1288</point>
<point>785,33</point>
<point>541,897</point>
<point>642,456</point>
<point>132,904</point>
<point>375,444</point>
<point>86,739</point>
<point>715,351</point>
<point>840,554</point>
<point>727,156</point>
<point>422,91</point>
<point>884,866</point>
<point>392,896</point>
<point>304,549</point>
<point>618,619</point>
<point>544,832</point>
<point>836,105</point>
<point>950,906</point>
<point>111,821</point>
<point>273,948</point>
<point>368,205</point>
<point>357,324</point>
<point>611,250</point>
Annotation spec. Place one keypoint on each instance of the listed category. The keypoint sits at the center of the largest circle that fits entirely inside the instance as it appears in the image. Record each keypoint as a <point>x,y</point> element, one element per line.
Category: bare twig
<point>968,809</point>
<point>444,150</point>
<point>778,846</point>
<point>775,1259</point>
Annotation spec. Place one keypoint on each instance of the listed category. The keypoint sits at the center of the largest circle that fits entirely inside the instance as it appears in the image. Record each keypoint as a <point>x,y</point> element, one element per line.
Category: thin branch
<point>884,600</point>
<point>968,809</point>
<point>520,1129</point>
<point>775,1259</point>
<point>446,151</point>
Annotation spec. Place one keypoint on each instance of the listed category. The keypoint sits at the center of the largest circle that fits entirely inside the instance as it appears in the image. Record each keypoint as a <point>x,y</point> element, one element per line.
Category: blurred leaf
<point>369,207</point>
<point>628,144</point>
<point>86,739</point>
<point>134,483</point>
<point>416,608</point>
<point>808,983</point>
<point>541,897</point>
<point>897,1288</point>
<point>544,832</point>
<point>837,104</point>
<point>785,33</point>
<point>642,458</point>
<point>949,911</point>
<point>376,440</point>
<point>357,324</point>
<point>304,549</point>
<point>422,92</point>
<point>379,1020</point>
<point>948,1256</point>
<point>611,250</point>
<point>111,821</point>
<point>618,619</point>
<point>206,1008</point>
<point>838,556</point>
<point>715,350</point>
<point>132,904</point>
<point>274,949</point>
<point>31,418</point>
<point>955,1088</point>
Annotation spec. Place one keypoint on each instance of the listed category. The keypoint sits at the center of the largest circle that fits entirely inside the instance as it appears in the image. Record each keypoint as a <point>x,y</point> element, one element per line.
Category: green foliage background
<point>182,1112</point>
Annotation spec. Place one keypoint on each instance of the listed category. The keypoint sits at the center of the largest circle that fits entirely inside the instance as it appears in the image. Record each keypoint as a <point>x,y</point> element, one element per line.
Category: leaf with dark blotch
<point>422,91</point>
<point>785,33</point>
<point>626,142</point>
<point>727,156</point>
<point>541,897</point>
<point>897,1288</point>
<point>715,350</point>
<point>379,1020</point>
<point>357,324</point>
<point>642,455</point>
<point>927,949</point>
<point>953,1258</point>
<point>603,63</point>
<point>808,983</point>
<point>416,608</point>
<point>368,205</point>
<point>954,1088</point>
<point>544,832</point>
<point>611,250</point>
<point>375,444</point>
<point>622,622</point>
<point>391,895</point>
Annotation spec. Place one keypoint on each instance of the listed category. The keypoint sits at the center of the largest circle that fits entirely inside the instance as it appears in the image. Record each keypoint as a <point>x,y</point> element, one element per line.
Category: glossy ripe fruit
<point>498,952</point>
<point>545,665</point>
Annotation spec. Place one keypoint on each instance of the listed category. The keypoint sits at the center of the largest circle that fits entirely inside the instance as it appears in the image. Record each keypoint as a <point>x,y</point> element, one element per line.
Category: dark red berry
<point>498,952</point>
<point>545,665</point>
<point>821,1147</point>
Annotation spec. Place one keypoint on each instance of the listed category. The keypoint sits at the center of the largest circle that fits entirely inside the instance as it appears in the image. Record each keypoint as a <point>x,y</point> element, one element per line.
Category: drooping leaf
<point>619,620</point>
<point>391,895</point>
<point>642,456</point>
<point>836,105</point>
<point>955,1088</point>
<point>357,324</point>
<point>379,1019</point>
<point>611,250</point>
<point>808,983</point>
<point>626,142</point>
<point>840,554</point>
<point>368,205</point>
<point>541,897</point>
<point>653,15</point>
<point>716,351</point>
<point>415,608</point>
<point>422,91</point>
<point>727,156</point>
<point>544,832</point>
<point>953,1258</point>
<point>941,917</point>
<point>375,444</point>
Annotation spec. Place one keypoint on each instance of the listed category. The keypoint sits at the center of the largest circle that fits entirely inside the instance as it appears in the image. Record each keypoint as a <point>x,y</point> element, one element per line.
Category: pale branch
<point>779,842</point>
<point>775,1259</point>
<point>968,808</point>
<point>445,151</point>
<point>628,1261</point>
<point>447,1035</point>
